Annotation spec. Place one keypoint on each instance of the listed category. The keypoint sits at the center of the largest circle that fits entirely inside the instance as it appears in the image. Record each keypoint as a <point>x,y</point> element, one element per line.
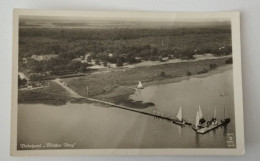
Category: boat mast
<point>215,113</point>
<point>224,112</point>
<point>197,120</point>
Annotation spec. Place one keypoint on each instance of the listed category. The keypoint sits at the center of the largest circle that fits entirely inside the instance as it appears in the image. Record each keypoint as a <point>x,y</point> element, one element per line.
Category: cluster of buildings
<point>43,57</point>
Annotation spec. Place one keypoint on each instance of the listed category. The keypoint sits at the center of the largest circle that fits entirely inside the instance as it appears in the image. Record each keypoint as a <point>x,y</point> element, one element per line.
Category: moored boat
<point>212,124</point>
<point>226,120</point>
<point>140,86</point>
<point>179,120</point>
<point>201,119</point>
<point>197,125</point>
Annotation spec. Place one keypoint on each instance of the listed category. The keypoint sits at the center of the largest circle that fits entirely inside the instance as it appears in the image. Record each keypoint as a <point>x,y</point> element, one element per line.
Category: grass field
<point>116,85</point>
<point>100,84</point>
<point>52,94</point>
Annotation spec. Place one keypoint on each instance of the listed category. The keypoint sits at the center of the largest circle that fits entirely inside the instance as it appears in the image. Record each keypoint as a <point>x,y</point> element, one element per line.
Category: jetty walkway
<point>76,95</point>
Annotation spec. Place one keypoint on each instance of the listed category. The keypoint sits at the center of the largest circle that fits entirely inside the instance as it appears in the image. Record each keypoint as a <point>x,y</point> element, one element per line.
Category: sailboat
<point>200,113</point>
<point>212,124</point>
<point>140,86</point>
<point>201,119</point>
<point>179,120</point>
<point>226,120</point>
<point>214,119</point>
<point>197,123</point>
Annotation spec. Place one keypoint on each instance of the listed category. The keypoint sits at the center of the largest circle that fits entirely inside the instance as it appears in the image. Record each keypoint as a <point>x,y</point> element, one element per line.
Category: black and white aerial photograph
<point>115,82</point>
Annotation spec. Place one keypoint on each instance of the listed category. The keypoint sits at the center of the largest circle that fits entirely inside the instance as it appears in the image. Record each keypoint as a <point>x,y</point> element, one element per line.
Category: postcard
<point>126,83</point>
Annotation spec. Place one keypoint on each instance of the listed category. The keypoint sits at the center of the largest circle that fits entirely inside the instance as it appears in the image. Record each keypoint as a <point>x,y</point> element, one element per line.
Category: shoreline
<point>117,86</point>
<point>179,79</point>
<point>121,94</point>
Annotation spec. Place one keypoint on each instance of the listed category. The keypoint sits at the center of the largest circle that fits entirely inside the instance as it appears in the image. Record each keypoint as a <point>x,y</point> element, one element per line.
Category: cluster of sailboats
<point>201,125</point>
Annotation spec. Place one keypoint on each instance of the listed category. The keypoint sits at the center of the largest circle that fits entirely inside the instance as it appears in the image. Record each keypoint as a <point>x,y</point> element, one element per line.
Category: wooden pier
<point>137,111</point>
<point>175,121</point>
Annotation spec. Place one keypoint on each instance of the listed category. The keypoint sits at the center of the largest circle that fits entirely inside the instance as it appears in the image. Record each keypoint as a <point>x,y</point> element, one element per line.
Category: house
<point>97,67</point>
<point>165,58</point>
<point>88,54</point>
<point>77,59</point>
<point>110,65</point>
<point>110,55</point>
<point>43,57</point>
<point>171,56</point>
<point>138,58</point>
<point>24,60</point>
<point>84,61</point>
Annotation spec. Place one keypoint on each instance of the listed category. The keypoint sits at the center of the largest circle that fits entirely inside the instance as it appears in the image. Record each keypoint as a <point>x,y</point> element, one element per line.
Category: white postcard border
<point>237,75</point>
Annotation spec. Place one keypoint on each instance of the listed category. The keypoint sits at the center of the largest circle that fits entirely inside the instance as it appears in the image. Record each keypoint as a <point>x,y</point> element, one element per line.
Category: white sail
<point>200,113</point>
<point>215,113</point>
<point>140,85</point>
<point>179,114</point>
<point>197,119</point>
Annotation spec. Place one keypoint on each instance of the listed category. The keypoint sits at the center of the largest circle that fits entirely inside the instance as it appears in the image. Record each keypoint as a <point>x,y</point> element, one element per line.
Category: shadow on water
<point>179,130</point>
<point>225,130</point>
<point>139,91</point>
<point>197,141</point>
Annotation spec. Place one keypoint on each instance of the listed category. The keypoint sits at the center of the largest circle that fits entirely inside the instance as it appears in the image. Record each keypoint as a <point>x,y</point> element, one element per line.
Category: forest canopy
<point>118,46</point>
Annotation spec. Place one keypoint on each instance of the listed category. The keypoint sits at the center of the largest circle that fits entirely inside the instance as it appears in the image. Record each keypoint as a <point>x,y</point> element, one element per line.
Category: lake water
<point>95,126</point>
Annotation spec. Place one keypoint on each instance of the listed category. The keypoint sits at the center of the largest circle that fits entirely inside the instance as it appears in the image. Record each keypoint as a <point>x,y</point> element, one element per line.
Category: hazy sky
<point>81,22</point>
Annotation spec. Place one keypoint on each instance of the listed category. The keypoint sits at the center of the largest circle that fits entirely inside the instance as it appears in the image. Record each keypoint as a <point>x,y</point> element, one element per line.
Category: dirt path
<point>71,92</point>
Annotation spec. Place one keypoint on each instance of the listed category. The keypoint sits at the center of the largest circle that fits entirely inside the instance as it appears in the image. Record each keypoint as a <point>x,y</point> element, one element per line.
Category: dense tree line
<point>54,66</point>
<point>116,46</point>
<point>116,34</point>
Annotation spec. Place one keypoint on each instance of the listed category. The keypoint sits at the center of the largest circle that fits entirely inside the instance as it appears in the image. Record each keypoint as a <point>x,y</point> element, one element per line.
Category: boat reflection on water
<point>180,130</point>
<point>197,141</point>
